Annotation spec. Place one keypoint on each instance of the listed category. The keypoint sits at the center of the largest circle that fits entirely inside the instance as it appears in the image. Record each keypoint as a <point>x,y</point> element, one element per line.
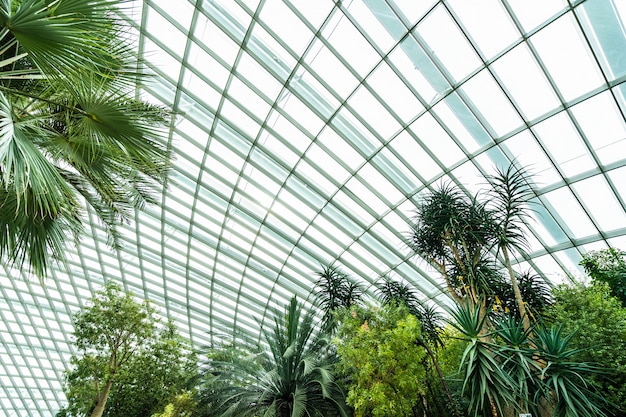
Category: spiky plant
<point>335,290</point>
<point>490,387</point>
<point>564,380</point>
<point>290,375</point>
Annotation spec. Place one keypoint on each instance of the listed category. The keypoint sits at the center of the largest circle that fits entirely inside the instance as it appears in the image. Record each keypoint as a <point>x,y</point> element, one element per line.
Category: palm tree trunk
<point>102,399</point>
<point>516,291</point>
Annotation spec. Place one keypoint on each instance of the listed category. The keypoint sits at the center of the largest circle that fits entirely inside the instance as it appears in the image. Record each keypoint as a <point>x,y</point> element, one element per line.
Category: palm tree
<point>292,376</point>
<point>510,193</point>
<point>72,130</point>
<point>454,233</point>
<point>335,290</point>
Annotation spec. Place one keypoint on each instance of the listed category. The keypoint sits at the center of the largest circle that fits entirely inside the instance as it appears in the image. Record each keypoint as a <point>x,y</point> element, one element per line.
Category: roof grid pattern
<point>306,132</point>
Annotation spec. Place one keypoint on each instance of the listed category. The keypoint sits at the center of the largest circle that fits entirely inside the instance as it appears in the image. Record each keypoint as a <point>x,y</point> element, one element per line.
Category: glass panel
<point>564,145</point>
<point>327,67</point>
<point>490,38</point>
<point>453,50</point>
<point>436,140</point>
<point>604,23</point>
<point>600,203</point>
<point>394,92</point>
<point>285,25</point>
<point>376,32</point>
<point>571,214</point>
<point>412,10</point>
<point>559,60</point>
<point>533,13</point>
<point>494,107</point>
<point>603,126</point>
<point>368,108</point>
<point>525,83</point>
<point>351,45</point>
<point>413,155</point>
<point>526,151</point>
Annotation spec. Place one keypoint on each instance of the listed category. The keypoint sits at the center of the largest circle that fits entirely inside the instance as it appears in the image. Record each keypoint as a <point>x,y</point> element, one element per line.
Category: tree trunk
<point>518,295</point>
<point>441,378</point>
<point>102,399</point>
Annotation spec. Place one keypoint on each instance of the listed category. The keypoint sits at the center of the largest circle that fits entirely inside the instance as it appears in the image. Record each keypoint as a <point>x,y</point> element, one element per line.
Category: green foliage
<point>378,351</point>
<point>183,405</point>
<point>294,378</point>
<point>488,383</point>
<point>608,265</point>
<point>399,293</point>
<point>124,344</point>
<point>156,374</point>
<point>599,323</point>
<point>524,370</point>
<point>335,290</point>
<point>71,127</point>
<point>113,322</point>
<point>564,380</point>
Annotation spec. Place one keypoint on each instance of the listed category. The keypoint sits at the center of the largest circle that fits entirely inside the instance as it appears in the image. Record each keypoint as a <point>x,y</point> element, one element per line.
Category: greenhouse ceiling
<point>305,133</point>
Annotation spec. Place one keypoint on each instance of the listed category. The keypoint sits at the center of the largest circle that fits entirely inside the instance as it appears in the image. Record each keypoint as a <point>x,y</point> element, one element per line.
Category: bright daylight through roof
<point>306,134</point>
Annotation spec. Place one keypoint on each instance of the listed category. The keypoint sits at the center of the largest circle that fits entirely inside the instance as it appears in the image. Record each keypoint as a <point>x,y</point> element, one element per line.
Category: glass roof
<point>306,132</point>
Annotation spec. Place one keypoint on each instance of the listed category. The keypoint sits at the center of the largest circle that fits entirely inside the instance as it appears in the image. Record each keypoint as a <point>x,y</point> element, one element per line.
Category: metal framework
<point>305,133</point>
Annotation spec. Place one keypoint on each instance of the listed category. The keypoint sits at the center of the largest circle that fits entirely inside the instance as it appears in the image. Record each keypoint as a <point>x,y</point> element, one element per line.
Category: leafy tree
<point>130,364</point>
<point>72,129</point>
<point>183,405</point>
<point>608,265</point>
<point>295,377</point>
<point>158,373</point>
<point>378,351</point>
<point>599,322</point>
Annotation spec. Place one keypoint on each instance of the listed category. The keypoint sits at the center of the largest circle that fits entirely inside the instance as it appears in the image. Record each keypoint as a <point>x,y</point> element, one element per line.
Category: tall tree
<point>454,233</point>
<point>123,344</point>
<point>290,375</point>
<point>509,193</point>
<point>72,130</point>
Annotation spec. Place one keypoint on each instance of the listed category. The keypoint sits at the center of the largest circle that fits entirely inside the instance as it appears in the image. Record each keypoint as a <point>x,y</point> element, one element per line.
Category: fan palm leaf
<point>71,130</point>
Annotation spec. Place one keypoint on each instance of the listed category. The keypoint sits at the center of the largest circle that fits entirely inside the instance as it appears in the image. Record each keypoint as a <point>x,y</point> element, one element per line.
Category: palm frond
<point>66,37</point>
<point>296,376</point>
<point>509,194</point>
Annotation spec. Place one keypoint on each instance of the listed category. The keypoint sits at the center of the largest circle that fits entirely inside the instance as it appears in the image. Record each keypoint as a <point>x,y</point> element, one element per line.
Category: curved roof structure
<point>306,132</point>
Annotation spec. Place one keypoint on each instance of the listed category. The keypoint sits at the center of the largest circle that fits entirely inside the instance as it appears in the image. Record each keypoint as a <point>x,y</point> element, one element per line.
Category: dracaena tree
<point>73,132</point>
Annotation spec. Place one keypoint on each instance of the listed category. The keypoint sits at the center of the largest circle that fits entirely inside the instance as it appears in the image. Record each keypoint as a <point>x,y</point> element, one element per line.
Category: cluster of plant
<point>73,132</point>
<point>382,353</point>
